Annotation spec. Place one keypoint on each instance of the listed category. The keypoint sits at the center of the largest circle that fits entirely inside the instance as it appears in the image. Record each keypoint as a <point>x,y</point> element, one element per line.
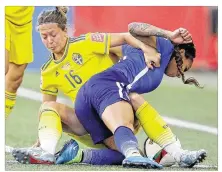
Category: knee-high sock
<point>154,125</point>
<point>50,129</point>
<point>102,157</point>
<point>10,99</point>
<point>126,142</point>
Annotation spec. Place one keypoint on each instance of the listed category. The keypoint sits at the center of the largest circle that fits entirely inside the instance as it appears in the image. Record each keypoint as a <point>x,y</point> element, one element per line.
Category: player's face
<point>53,37</point>
<point>172,70</point>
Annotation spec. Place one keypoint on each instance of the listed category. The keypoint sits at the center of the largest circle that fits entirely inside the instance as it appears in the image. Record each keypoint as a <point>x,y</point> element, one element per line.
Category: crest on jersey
<point>77,58</point>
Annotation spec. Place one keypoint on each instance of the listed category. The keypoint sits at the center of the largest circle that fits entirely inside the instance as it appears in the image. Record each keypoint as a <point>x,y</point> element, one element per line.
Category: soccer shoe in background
<point>33,156</point>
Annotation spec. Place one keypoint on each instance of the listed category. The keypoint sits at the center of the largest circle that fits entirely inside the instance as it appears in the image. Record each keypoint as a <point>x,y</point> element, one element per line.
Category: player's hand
<point>37,144</point>
<point>181,36</point>
<point>152,59</point>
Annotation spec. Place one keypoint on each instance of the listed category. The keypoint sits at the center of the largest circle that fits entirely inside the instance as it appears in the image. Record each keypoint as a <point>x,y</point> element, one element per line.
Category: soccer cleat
<point>33,156</point>
<point>190,158</point>
<point>70,153</point>
<point>140,162</point>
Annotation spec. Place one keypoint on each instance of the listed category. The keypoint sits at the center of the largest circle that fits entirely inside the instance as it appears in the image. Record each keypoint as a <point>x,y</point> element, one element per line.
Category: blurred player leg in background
<point>18,46</point>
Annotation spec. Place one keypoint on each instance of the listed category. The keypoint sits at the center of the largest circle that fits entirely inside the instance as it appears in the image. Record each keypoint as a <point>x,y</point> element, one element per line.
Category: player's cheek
<point>44,42</point>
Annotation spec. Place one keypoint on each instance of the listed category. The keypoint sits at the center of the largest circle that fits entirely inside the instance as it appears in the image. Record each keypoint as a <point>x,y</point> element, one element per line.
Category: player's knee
<point>136,100</point>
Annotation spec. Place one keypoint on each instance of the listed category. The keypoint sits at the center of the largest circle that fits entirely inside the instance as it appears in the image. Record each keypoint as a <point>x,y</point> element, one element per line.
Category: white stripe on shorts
<point>143,72</point>
<point>120,90</point>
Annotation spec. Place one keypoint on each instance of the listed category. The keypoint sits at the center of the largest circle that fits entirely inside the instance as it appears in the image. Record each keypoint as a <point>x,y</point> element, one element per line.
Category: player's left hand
<point>152,59</point>
<point>181,36</point>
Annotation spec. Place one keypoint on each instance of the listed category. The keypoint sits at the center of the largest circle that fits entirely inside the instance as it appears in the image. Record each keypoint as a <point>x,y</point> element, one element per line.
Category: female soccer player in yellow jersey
<point>72,63</point>
<point>18,50</point>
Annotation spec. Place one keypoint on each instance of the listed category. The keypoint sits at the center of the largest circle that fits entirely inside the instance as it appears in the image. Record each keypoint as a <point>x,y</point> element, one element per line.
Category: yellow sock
<point>10,99</point>
<point>50,129</point>
<point>154,125</point>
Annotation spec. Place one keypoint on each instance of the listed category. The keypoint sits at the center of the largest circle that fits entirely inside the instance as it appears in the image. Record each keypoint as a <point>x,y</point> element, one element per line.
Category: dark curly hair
<point>190,53</point>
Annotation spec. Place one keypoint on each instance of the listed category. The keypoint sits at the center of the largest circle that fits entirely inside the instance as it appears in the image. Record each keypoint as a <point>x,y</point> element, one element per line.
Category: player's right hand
<point>181,36</point>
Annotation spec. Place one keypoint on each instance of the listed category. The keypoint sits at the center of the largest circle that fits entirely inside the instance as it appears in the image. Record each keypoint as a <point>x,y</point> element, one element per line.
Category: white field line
<point>190,125</point>
<point>37,96</point>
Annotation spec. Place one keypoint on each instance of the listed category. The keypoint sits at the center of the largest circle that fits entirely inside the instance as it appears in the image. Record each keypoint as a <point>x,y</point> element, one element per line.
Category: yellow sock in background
<point>10,99</point>
<point>154,125</point>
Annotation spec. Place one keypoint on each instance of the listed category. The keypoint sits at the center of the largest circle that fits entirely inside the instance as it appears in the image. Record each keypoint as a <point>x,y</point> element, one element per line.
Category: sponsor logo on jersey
<point>77,58</point>
<point>97,37</point>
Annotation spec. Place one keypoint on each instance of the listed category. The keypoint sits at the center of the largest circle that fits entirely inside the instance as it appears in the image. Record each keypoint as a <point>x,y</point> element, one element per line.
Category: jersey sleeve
<point>98,42</point>
<point>47,88</point>
<point>164,45</point>
<point>126,49</point>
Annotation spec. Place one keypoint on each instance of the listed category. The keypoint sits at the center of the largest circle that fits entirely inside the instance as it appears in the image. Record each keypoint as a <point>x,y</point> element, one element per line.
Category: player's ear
<point>65,30</point>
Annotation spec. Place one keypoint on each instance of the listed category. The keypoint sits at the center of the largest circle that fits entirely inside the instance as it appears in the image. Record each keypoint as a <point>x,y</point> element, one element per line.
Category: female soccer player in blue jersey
<point>104,99</point>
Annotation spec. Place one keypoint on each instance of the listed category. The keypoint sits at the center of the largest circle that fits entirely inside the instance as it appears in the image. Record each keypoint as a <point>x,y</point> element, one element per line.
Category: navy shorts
<point>94,96</point>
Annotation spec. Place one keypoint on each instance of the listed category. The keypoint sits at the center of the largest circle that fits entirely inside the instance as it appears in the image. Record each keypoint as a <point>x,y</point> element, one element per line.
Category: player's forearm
<point>136,43</point>
<point>145,29</point>
<point>118,39</point>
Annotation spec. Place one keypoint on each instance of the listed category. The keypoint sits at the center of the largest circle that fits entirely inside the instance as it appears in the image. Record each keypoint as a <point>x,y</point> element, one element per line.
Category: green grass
<point>181,102</point>
<point>186,103</point>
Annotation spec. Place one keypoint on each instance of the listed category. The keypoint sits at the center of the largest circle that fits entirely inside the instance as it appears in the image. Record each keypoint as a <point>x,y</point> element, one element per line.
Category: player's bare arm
<point>151,58</point>
<point>116,52</point>
<point>145,29</point>
<point>178,36</point>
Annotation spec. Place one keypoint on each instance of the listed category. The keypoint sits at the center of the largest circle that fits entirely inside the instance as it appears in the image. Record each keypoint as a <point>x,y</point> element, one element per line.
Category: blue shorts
<point>94,96</point>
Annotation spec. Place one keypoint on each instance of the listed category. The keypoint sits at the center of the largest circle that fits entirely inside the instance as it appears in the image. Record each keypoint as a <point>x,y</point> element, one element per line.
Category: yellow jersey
<point>84,57</point>
<point>19,15</point>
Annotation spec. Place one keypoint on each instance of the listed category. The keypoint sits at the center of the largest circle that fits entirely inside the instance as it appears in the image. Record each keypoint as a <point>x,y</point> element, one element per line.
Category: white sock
<point>48,139</point>
<point>132,152</point>
<point>174,150</point>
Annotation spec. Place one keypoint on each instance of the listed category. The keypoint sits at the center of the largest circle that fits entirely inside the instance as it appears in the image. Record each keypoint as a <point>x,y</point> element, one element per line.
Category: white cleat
<point>190,158</point>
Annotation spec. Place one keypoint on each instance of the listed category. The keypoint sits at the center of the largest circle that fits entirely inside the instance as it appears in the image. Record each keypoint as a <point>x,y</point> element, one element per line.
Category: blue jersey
<point>134,68</point>
<point>113,85</point>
